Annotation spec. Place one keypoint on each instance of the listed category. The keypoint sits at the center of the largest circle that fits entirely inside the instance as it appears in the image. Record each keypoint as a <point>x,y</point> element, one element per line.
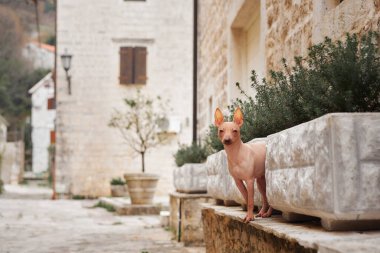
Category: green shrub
<point>334,77</point>
<point>117,181</point>
<point>195,153</point>
<point>78,197</point>
<point>106,206</point>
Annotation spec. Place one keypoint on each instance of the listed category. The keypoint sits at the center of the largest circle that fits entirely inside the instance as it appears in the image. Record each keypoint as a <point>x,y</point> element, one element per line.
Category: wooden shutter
<point>51,104</point>
<point>140,54</point>
<point>126,65</point>
<point>52,137</point>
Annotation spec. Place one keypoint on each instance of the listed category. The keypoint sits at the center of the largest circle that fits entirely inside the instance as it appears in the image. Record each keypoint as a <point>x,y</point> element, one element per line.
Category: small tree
<point>139,124</point>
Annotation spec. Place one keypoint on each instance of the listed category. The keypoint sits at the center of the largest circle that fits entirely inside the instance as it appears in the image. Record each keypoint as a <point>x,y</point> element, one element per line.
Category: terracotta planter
<point>119,191</point>
<point>141,187</point>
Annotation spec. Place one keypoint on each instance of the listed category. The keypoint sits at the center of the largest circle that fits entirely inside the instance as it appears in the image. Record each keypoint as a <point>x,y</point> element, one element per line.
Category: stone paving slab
<point>45,226</point>
<point>309,235</point>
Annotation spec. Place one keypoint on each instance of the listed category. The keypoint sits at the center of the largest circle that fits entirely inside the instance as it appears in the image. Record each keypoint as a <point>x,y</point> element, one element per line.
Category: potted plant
<point>191,176</point>
<point>139,127</point>
<point>118,187</point>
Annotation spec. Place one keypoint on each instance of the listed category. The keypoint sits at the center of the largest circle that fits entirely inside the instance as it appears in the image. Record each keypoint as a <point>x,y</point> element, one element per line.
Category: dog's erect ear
<point>238,117</point>
<point>219,118</point>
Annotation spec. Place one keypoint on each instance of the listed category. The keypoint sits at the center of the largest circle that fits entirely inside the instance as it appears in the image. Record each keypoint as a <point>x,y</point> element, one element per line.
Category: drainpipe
<point>54,196</point>
<point>195,66</point>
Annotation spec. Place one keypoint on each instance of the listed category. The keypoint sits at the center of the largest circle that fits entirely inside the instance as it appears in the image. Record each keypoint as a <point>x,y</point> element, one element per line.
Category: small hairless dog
<point>246,162</point>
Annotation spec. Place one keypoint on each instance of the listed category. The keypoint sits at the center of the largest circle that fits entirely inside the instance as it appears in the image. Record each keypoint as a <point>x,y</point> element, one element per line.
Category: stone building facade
<point>88,152</point>
<point>236,36</point>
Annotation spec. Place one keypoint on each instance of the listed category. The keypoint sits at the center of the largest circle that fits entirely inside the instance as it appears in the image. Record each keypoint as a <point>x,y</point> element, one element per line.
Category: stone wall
<point>212,59</point>
<point>287,28</point>
<point>88,152</point>
<point>186,217</point>
<point>225,232</point>
<point>295,25</point>
<point>12,164</point>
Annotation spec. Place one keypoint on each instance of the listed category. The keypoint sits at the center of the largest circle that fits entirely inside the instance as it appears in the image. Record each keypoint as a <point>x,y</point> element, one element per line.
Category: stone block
<point>225,232</point>
<point>190,178</point>
<point>220,183</point>
<point>329,168</point>
<point>185,217</point>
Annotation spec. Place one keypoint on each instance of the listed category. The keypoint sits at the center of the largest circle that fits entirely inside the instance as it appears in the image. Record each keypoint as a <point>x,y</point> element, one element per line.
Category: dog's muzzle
<point>227,142</point>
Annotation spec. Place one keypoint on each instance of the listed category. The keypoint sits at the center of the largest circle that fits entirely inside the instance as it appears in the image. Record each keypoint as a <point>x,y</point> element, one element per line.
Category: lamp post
<point>66,62</point>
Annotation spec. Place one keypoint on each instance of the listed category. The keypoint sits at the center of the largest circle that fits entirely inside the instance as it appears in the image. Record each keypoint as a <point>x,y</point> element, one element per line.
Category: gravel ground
<point>66,226</point>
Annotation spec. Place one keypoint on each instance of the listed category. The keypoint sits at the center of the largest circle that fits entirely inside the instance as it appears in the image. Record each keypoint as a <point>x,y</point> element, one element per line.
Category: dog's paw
<point>248,218</point>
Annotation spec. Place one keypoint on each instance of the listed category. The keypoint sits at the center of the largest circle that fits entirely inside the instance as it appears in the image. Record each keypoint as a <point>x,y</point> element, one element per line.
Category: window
<point>133,65</point>
<point>51,104</point>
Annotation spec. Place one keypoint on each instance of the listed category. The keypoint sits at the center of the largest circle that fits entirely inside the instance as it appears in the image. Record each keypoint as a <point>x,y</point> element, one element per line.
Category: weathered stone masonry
<point>287,27</point>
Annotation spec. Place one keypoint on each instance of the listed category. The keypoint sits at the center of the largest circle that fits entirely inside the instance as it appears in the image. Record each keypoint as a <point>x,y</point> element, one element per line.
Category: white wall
<point>89,153</point>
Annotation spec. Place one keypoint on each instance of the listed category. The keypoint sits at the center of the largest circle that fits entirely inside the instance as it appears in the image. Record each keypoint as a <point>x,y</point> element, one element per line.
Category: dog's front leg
<point>250,202</point>
<point>240,185</point>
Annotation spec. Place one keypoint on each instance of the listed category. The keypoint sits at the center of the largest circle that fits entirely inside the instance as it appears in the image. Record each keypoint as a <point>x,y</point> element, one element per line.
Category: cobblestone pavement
<point>66,226</point>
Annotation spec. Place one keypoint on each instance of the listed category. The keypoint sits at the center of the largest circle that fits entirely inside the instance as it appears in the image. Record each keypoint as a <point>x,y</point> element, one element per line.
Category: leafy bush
<point>195,153</point>
<point>334,77</point>
<point>117,181</point>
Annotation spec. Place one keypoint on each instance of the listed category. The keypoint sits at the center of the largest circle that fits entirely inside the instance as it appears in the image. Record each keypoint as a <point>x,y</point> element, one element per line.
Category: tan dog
<point>246,162</point>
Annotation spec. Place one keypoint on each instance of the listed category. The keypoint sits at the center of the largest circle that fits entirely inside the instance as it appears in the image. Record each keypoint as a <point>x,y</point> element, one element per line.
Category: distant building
<point>43,120</point>
<point>236,36</point>
<point>12,157</point>
<point>3,143</point>
<point>119,46</point>
<point>41,55</point>
<point>3,132</point>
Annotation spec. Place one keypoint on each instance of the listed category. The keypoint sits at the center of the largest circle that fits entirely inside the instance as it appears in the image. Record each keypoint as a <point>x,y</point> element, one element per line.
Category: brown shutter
<point>51,103</point>
<point>52,137</point>
<point>126,65</point>
<point>140,54</point>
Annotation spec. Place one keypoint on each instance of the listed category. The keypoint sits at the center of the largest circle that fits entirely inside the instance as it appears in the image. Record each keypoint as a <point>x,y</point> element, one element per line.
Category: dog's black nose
<point>227,142</point>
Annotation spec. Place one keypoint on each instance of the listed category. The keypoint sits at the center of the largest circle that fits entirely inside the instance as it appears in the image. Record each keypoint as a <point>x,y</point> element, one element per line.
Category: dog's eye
<point>221,131</point>
<point>235,131</point>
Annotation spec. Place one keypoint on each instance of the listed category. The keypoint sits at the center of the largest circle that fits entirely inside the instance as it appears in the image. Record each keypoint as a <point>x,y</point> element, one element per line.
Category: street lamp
<point>66,62</point>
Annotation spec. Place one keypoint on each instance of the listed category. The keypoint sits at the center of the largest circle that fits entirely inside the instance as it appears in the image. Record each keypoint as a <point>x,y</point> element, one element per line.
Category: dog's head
<point>229,132</point>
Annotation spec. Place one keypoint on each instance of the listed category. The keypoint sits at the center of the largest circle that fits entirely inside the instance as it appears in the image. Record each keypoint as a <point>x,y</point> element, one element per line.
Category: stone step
<point>225,232</point>
<point>123,206</point>
<point>26,192</point>
<point>36,179</point>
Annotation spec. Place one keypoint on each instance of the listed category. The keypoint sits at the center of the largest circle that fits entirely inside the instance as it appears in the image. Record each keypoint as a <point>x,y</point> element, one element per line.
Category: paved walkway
<point>65,226</point>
